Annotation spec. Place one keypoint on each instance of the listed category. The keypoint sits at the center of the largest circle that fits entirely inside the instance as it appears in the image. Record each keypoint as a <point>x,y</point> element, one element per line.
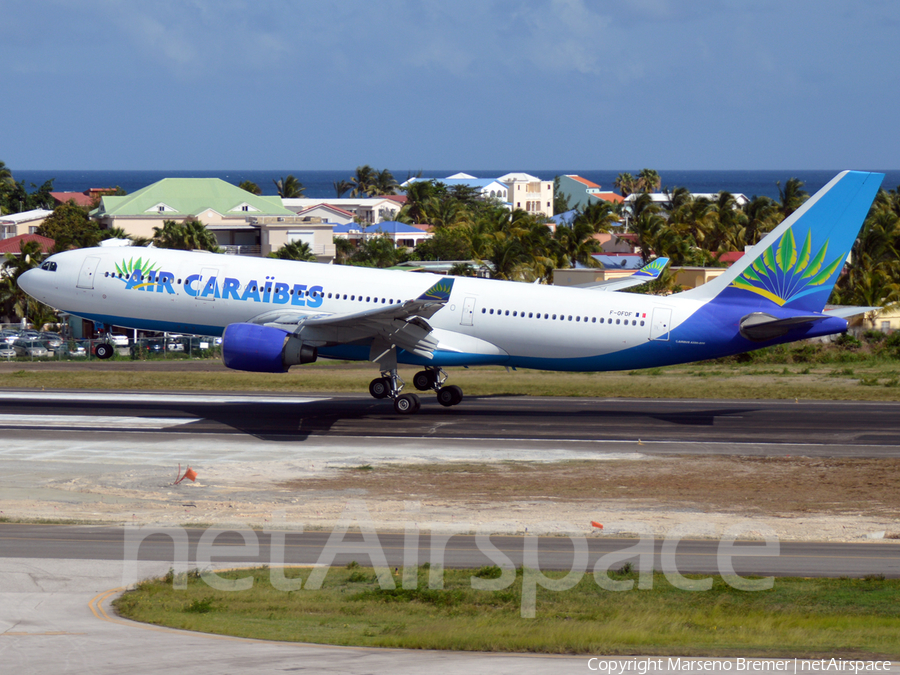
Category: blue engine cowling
<point>262,349</point>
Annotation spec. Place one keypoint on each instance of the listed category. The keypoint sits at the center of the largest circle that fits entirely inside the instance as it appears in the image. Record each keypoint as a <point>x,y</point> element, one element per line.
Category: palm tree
<point>762,217</point>
<point>384,183</point>
<point>792,196</point>
<point>295,250</point>
<point>648,180</point>
<point>626,184</point>
<point>6,177</point>
<point>251,187</point>
<point>341,187</point>
<point>289,187</point>
<point>191,235</point>
<point>364,181</point>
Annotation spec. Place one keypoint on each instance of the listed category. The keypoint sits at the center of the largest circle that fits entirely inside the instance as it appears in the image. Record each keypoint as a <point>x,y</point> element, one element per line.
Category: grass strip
<point>873,380</point>
<point>805,618</point>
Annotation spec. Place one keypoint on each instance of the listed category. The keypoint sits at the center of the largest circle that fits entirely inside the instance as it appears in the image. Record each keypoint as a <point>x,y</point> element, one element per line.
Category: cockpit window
<point>49,266</point>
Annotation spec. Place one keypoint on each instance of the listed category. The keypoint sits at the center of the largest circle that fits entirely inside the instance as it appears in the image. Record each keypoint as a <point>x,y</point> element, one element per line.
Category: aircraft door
<point>660,323</point>
<point>204,290</point>
<point>88,270</point>
<point>468,313</point>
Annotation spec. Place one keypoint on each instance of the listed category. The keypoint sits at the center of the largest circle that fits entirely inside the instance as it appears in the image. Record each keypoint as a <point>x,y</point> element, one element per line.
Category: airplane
<point>274,314</point>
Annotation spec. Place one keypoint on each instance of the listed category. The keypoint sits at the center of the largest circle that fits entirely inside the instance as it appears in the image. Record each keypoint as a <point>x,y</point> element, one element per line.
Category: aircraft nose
<point>28,281</point>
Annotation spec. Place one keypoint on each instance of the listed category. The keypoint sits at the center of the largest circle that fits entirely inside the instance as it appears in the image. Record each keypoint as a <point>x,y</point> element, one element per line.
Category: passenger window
<point>483,310</point>
<point>554,316</point>
<point>642,323</point>
<point>618,321</point>
<point>507,312</point>
<point>492,311</point>
<point>594,320</point>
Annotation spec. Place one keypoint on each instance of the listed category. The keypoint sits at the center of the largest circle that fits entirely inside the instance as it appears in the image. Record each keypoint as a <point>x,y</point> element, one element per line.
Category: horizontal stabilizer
<point>760,327</point>
<point>649,272</point>
<point>844,311</point>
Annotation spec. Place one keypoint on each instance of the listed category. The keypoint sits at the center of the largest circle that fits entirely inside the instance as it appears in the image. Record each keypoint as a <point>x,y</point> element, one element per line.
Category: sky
<point>419,84</point>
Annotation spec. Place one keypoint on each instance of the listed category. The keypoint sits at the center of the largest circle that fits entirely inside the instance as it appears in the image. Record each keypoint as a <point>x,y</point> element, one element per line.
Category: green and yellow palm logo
<point>782,274</point>
<point>440,291</point>
<point>133,272</point>
<point>128,268</point>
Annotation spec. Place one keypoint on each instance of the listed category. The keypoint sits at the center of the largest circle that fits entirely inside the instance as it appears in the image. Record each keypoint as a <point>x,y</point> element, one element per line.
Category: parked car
<point>114,339</point>
<point>34,349</point>
<point>74,350</point>
<point>52,340</point>
<point>6,351</point>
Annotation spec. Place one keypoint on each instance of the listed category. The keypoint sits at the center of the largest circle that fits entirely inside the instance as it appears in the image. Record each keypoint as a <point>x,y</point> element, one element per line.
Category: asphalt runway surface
<point>56,582</point>
<point>696,556</point>
<point>762,428</point>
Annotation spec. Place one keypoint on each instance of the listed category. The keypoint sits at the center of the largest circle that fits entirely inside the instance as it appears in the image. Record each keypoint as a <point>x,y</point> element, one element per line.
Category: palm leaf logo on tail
<point>782,273</point>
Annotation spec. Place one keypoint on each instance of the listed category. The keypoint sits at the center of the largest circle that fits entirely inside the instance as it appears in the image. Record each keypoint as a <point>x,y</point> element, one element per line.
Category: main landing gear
<point>389,385</point>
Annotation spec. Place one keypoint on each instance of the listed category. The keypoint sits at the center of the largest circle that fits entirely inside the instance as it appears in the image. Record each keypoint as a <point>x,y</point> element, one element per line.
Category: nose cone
<point>28,282</point>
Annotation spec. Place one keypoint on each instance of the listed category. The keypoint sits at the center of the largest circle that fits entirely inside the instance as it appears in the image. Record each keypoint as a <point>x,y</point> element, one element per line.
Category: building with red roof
<point>14,244</point>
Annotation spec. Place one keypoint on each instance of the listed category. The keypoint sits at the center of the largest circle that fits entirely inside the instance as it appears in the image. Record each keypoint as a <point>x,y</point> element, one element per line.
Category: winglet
<point>652,270</point>
<point>440,292</point>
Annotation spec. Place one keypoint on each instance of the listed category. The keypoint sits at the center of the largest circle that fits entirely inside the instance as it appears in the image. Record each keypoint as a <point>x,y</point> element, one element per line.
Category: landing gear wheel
<point>406,404</point>
<point>380,387</point>
<point>449,396</point>
<point>103,351</point>
<point>423,380</point>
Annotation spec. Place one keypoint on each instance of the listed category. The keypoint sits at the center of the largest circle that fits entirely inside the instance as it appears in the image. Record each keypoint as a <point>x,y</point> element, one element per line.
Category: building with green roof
<point>243,223</point>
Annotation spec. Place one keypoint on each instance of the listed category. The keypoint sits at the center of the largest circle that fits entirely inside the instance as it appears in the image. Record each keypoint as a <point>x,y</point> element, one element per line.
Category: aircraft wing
<point>648,272</point>
<point>401,325</point>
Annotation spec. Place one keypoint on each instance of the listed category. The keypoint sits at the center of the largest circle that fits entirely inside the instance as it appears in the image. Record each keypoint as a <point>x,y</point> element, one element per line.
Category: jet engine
<point>263,349</point>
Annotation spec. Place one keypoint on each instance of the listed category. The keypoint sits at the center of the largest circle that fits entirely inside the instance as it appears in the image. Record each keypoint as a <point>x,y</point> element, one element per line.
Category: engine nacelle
<point>262,349</point>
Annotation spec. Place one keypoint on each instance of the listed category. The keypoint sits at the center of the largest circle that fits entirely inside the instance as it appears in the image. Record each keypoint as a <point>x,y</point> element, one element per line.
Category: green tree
<point>251,187</point>
<point>791,197</point>
<point>626,184</point>
<point>289,187</point>
<point>341,187</point>
<point>448,243</point>
<point>295,250</point>
<point>13,299</point>
<point>648,180</point>
<point>363,182</point>
<point>560,200</point>
<point>70,227</point>
<point>191,235</point>
<point>384,183</point>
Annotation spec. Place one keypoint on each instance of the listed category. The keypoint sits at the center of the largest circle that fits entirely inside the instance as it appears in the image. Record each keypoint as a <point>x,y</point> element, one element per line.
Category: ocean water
<point>320,184</point>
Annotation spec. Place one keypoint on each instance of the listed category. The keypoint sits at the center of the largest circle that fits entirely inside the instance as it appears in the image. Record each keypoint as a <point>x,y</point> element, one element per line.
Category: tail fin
<point>796,265</point>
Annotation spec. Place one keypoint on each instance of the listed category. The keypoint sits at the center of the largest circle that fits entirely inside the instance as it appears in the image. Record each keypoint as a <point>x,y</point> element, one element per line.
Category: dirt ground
<point>797,498</point>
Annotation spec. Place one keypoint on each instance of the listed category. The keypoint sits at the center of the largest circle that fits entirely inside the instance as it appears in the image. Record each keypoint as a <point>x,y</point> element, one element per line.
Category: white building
<point>27,222</point>
<point>516,190</point>
<point>367,209</point>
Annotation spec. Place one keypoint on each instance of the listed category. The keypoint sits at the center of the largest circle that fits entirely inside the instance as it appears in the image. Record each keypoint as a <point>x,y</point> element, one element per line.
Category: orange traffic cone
<point>594,523</point>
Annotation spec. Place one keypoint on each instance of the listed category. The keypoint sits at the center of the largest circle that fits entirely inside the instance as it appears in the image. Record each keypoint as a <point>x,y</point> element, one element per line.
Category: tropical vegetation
<point>190,235</point>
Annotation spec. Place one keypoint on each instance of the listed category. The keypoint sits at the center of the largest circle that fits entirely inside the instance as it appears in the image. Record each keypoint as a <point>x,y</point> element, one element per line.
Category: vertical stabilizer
<point>796,265</point>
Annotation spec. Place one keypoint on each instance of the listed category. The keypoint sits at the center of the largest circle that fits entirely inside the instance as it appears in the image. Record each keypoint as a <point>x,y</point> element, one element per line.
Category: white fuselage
<point>484,321</point>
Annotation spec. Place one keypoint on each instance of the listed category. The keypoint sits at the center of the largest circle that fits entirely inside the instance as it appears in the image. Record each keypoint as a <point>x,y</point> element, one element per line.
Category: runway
<point>33,421</point>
